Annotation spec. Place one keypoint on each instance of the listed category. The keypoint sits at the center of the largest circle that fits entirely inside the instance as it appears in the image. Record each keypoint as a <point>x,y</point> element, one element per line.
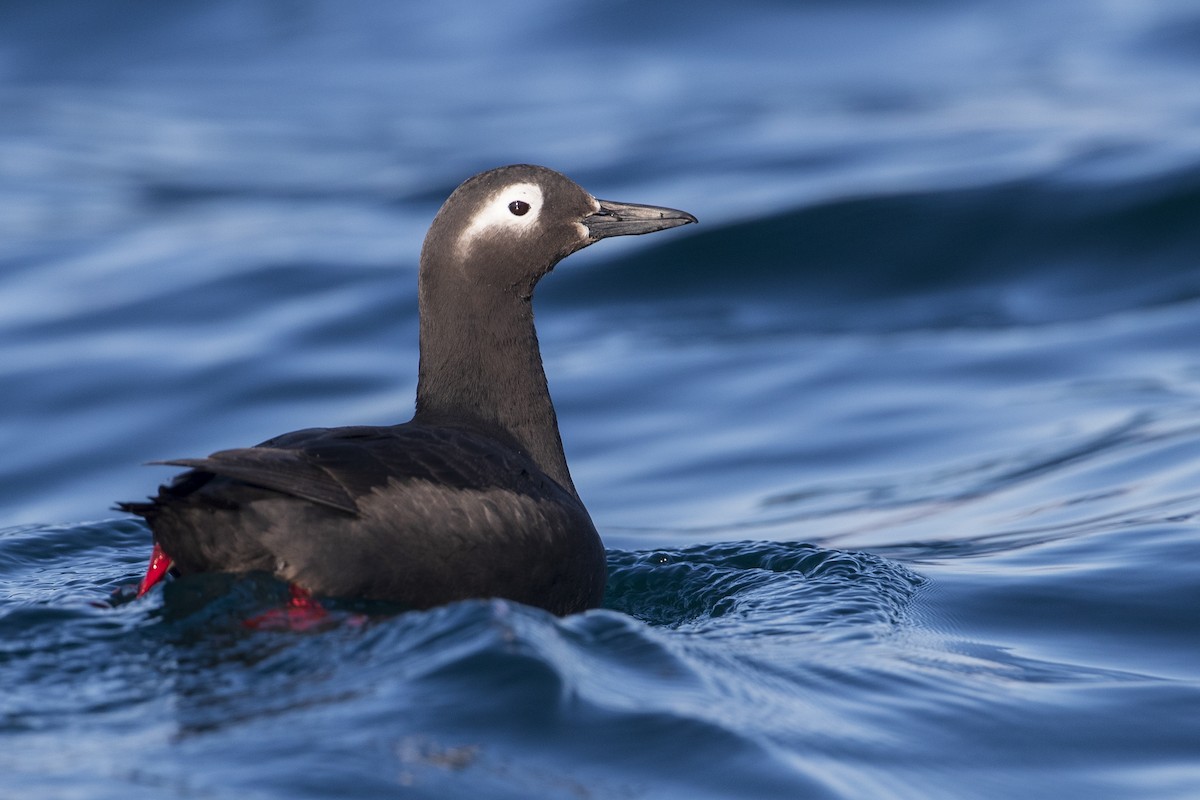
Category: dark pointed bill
<point>630,219</point>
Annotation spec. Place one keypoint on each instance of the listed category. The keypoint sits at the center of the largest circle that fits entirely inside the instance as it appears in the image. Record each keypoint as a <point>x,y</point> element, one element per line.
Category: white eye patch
<point>513,209</point>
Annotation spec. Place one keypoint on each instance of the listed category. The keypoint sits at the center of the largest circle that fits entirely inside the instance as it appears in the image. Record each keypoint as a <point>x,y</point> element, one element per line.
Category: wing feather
<point>291,472</point>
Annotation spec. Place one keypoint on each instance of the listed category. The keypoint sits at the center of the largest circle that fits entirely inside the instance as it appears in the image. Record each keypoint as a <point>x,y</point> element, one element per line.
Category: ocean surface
<point>896,454</point>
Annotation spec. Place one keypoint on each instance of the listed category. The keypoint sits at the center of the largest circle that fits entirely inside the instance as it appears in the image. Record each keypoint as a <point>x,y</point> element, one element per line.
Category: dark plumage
<point>473,497</point>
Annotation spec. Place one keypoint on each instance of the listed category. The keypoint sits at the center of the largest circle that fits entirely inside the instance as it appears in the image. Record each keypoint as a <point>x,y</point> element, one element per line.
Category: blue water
<point>896,455</point>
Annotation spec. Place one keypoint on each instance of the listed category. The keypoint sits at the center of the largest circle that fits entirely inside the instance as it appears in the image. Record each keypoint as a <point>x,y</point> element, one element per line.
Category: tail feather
<point>144,508</point>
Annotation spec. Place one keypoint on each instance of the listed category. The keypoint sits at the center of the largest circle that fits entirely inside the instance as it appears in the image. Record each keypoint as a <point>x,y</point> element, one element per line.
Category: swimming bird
<point>472,498</point>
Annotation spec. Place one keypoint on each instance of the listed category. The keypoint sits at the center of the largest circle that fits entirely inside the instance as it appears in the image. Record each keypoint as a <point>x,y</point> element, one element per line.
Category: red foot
<point>301,613</point>
<point>160,563</point>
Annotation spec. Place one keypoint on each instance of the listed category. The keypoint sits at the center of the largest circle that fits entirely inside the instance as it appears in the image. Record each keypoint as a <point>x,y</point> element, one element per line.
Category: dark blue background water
<point>897,454</point>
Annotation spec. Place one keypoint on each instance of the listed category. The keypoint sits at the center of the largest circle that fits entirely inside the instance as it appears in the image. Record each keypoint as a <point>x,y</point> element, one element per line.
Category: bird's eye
<point>519,207</point>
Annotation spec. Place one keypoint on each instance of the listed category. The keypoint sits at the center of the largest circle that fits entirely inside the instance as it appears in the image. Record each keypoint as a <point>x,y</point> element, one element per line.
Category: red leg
<point>300,598</point>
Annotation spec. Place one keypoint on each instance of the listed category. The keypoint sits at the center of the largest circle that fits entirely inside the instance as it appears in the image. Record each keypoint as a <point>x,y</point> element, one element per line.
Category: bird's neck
<point>481,366</point>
